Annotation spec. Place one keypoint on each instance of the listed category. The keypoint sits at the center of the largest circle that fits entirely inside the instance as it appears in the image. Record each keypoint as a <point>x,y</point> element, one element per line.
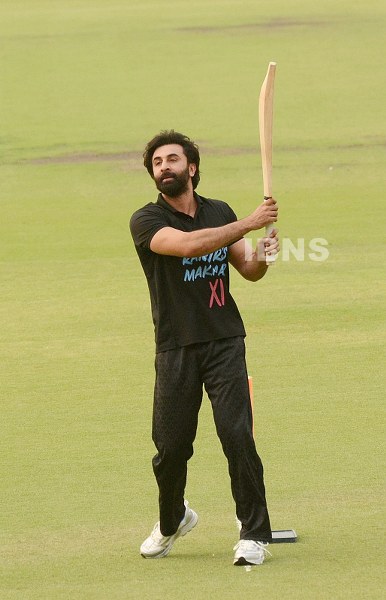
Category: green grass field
<point>83,86</point>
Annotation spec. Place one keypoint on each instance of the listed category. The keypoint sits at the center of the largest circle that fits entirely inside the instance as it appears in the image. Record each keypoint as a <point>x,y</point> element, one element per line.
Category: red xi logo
<point>220,300</point>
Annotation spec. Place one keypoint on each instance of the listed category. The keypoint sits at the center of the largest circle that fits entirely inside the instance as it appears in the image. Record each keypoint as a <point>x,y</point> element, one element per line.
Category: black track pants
<point>180,375</point>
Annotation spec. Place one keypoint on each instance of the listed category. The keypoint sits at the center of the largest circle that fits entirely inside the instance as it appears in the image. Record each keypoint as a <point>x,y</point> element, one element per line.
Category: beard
<point>177,185</point>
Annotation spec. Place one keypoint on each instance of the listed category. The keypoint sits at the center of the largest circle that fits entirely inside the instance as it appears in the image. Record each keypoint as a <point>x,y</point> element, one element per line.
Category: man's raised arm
<point>173,242</point>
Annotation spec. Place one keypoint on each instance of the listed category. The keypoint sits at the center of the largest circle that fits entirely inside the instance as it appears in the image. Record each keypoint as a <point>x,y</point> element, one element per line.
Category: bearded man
<point>185,243</point>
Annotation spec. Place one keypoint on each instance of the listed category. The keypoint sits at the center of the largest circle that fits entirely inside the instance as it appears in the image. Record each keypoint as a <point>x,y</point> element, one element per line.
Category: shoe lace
<point>250,543</point>
<point>156,534</point>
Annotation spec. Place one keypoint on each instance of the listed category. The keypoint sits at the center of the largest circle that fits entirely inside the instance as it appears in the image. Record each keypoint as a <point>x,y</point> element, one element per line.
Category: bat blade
<point>266,131</point>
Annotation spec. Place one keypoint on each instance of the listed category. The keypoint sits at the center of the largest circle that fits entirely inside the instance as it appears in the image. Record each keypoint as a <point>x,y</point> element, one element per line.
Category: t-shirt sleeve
<point>144,224</point>
<point>231,218</point>
<point>232,214</point>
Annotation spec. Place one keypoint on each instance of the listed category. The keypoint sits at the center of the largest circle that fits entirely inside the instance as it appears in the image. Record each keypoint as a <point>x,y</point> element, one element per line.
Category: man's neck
<point>185,203</point>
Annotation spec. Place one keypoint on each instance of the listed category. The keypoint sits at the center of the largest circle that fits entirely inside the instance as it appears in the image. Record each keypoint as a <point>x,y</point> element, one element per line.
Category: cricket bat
<point>279,536</point>
<point>265,128</point>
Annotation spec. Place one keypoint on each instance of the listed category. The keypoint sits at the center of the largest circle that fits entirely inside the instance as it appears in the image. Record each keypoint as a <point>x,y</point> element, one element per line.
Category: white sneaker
<point>249,552</point>
<point>158,545</point>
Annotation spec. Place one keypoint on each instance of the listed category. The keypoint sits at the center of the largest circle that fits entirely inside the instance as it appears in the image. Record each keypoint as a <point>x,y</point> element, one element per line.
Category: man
<point>185,242</point>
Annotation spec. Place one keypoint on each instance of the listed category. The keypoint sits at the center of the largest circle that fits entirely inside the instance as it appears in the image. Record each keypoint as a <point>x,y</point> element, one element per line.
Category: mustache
<point>168,176</point>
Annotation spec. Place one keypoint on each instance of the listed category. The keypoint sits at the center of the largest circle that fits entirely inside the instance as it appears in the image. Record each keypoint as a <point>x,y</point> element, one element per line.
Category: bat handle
<point>269,258</point>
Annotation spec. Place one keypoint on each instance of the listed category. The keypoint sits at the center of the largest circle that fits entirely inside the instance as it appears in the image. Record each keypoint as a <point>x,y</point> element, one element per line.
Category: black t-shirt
<point>190,297</point>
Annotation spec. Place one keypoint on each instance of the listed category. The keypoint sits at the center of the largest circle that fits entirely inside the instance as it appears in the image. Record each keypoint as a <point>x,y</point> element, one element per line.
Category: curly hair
<point>190,149</point>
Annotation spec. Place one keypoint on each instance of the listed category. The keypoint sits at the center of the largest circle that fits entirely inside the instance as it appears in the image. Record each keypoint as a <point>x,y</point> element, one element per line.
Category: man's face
<point>171,171</point>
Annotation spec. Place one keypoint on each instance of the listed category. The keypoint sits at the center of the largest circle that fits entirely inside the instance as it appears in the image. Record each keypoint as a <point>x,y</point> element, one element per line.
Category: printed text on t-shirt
<point>209,265</point>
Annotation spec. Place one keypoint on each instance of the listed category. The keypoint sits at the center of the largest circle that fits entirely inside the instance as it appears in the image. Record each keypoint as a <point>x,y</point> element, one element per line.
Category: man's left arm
<point>250,263</point>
